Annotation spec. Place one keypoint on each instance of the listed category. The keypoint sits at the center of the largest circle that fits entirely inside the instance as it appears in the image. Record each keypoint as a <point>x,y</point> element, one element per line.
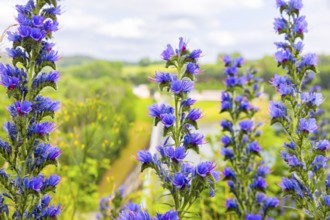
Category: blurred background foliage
<point>102,124</point>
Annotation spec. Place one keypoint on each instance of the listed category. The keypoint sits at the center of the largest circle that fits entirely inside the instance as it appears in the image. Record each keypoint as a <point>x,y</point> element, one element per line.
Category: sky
<point>129,30</point>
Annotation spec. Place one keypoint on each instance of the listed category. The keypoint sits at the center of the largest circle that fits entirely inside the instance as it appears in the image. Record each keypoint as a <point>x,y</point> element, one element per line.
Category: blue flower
<point>37,34</point>
<point>231,185</point>
<point>283,85</point>
<point>231,71</point>
<point>277,110</point>
<point>180,181</point>
<point>193,140</point>
<point>327,182</point>
<point>42,104</point>
<point>145,157</point>
<point>37,21</point>
<point>259,183</point>
<point>132,211</point>
<point>194,114</point>
<point>327,200</point>
<point>9,82</point>
<point>53,153</point>
<point>280,3</point>
<point>253,217</point>
<point>51,181</point>
<point>226,141</point>
<point>226,102</point>
<point>188,102</point>
<point>232,81</point>
<point>43,128</point>
<point>254,148</point>
<point>47,152</point>
<point>227,153</point>
<point>239,62</point>
<point>312,99</point>
<point>168,120</point>
<point>50,26</point>
<point>246,126</point>
<point>227,60</point>
<point>192,68</point>
<point>321,145</point>
<point>295,5</point>
<point>176,154</point>
<point>308,60</point>
<point>170,215</point>
<point>4,175</point>
<point>290,145</point>
<point>205,168</point>
<point>292,186</point>
<point>229,174</point>
<point>287,184</point>
<point>260,198</point>
<point>182,46</point>
<point>45,200</point>
<point>298,46</point>
<point>187,86</point>
<point>307,126</point>
<point>5,148</point>
<point>157,110</point>
<point>319,162</point>
<point>227,125</point>
<point>280,25</point>
<point>231,205</point>
<point>24,31</point>
<point>52,11</point>
<point>52,212</point>
<point>292,160</point>
<point>196,54</point>
<point>44,78</point>
<point>300,25</point>
<point>283,56</point>
<point>179,86</point>
<point>270,203</point>
<point>164,78</point>
<point>35,183</point>
<point>263,170</point>
<point>16,53</point>
<point>20,108</point>
<point>11,129</point>
<point>244,104</point>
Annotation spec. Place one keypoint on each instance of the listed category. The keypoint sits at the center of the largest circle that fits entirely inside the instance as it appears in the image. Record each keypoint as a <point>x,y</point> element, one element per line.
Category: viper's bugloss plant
<point>304,153</point>
<point>184,181</point>
<point>26,149</point>
<point>110,206</point>
<point>245,172</point>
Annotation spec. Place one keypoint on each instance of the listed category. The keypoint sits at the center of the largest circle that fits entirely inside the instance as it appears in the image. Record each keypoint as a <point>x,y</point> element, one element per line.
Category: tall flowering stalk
<point>184,181</point>
<point>245,173</point>
<point>305,153</point>
<point>26,149</point>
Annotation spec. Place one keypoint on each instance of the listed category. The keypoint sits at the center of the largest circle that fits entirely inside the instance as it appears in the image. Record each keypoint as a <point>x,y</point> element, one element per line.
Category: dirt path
<point>139,136</point>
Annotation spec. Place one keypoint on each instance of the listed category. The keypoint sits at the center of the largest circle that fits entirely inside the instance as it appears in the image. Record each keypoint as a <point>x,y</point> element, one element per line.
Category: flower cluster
<point>133,211</point>
<point>184,181</point>
<point>110,206</point>
<point>26,149</point>
<point>305,152</point>
<point>245,173</point>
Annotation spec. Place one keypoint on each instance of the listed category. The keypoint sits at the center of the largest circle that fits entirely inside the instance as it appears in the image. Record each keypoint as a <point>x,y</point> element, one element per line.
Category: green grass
<point>210,111</point>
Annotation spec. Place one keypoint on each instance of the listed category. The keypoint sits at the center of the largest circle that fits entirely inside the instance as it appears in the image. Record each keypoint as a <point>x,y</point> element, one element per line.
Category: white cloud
<point>125,28</point>
<point>221,38</point>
